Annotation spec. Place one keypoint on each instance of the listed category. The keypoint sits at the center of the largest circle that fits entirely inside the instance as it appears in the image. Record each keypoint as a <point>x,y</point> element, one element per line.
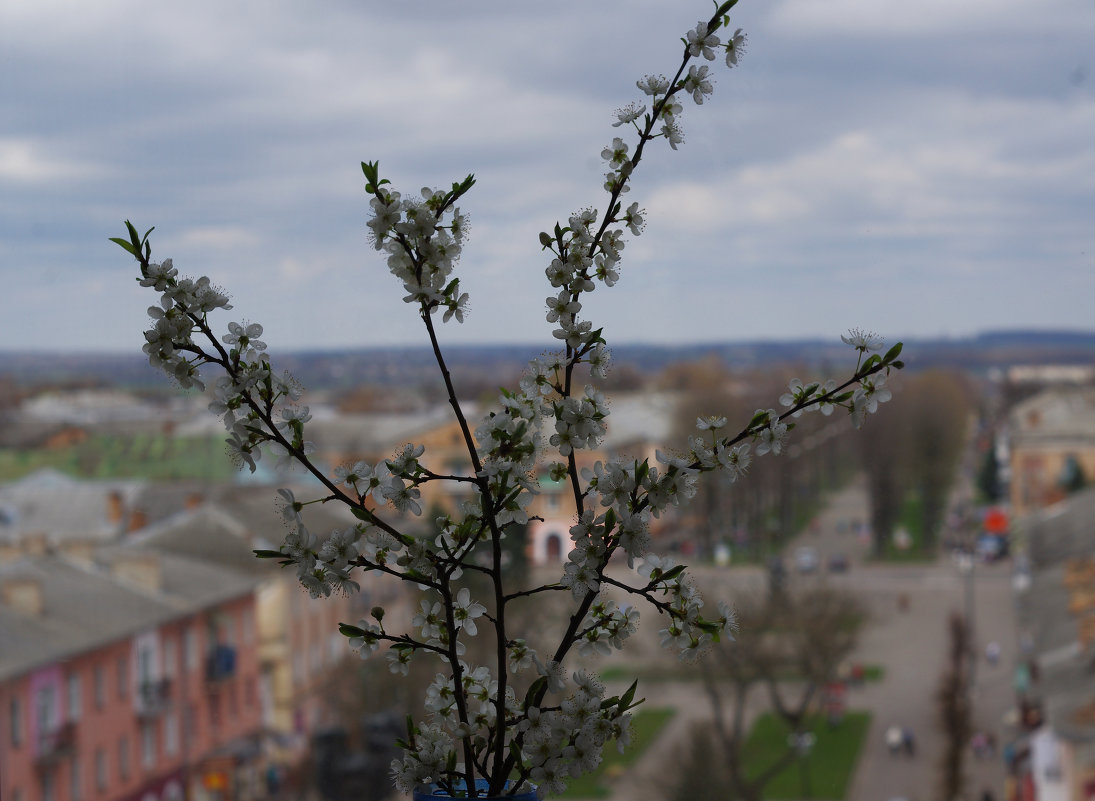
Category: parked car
<point>992,547</point>
<point>807,559</point>
<point>838,562</point>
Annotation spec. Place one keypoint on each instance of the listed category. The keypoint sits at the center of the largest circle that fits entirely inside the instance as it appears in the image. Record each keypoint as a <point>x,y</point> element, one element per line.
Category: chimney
<point>115,508</point>
<point>137,520</point>
<point>24,594</point>
<point>142,569</point>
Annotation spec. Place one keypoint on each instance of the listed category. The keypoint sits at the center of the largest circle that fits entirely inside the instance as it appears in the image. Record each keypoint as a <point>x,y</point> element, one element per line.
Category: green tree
<point>915,449</point>
<point>937,410</point>
<point>988,483</point>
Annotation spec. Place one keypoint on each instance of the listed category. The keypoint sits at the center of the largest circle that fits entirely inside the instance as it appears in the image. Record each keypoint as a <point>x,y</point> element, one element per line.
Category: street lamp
<point>803,743</point>
<point>966,564</point>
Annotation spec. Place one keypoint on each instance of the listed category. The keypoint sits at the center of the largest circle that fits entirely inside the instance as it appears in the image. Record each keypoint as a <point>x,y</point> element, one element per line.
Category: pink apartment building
<point>134,675</point>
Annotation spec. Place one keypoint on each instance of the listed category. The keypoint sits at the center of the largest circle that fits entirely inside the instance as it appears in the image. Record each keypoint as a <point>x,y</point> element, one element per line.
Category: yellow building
<point>1052,436</point>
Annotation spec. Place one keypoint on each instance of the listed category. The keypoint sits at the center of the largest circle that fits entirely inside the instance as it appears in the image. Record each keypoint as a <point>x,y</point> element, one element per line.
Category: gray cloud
<point>920,169</point>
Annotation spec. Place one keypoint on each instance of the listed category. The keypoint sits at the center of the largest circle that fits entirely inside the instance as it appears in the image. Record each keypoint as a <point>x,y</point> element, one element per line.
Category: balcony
<point>220,664</point>
<point>153,698</point>
<point>55,744</point>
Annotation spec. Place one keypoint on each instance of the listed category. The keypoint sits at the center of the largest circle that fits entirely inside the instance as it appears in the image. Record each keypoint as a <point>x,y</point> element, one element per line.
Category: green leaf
<point>536,688</point>
<point>265,554</point>
<point>758,418</point>
<point>630,694</point>
<point>672,573</point>
<point>124,244</point>
<point>362,514</point>
<point>346,630</point>
<point>545,239</point>
<point>893,353</point>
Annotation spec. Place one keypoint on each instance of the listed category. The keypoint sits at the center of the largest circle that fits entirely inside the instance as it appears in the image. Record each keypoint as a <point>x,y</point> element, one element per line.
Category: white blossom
<point>735,48</point>
<point>702,43</point>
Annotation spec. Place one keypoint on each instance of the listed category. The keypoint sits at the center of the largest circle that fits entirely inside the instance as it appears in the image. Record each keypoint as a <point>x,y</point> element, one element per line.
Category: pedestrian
<point>908,742</point>
<point>992,652</point>
<point>979,744</point>
<point>894,739</point>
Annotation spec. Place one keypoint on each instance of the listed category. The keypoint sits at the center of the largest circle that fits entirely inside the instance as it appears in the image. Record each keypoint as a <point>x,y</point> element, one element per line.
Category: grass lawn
<point>829,768</point>
<point>645,727</point>
<point>911,520</point>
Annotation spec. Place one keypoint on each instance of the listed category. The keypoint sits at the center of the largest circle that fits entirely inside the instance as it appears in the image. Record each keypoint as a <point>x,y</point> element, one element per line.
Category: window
<point>15,713</point>
<point>73,691</point>
<point>100,769</point>
<point>170,734</point>
<point>123,757</point>
<point>214,707</point>
<point>148,745</point>
<point>169,658</point>
<point>144,663</point>
<point>123,676</point>
<point>190,649</point>
<point>190,723</point>
<point>49,787</point>
<point>228,626</point>
<point>46,708</point>
<point>100,687</point>
<point>248,626</point>
<point>75,788</point>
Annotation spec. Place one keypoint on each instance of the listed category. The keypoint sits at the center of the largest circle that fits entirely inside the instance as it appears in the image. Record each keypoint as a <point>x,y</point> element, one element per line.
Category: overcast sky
<point>919,169</point>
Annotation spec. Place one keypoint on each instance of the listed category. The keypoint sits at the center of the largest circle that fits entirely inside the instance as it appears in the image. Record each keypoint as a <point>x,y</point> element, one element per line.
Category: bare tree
<point>769,507</point>
<point>789,647</point>
<point>953,706</point>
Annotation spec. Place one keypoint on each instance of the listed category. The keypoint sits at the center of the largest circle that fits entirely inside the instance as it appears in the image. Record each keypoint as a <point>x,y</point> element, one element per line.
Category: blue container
<point>430,792</point>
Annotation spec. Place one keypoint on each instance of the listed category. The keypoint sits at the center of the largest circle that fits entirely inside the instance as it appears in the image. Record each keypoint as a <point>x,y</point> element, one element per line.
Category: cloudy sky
<point>919,169</point>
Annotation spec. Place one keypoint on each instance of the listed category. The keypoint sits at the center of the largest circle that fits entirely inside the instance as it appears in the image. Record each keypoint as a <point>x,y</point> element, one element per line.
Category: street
<point>909,646</point>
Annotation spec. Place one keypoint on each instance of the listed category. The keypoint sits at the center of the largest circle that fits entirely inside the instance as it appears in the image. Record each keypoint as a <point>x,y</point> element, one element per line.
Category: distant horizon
<point>1018,332</point>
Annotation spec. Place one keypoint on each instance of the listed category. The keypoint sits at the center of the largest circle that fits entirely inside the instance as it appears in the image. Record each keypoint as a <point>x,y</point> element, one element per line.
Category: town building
<point>1056,682</point>
<point>1051,437</point>
<point>130,675</point>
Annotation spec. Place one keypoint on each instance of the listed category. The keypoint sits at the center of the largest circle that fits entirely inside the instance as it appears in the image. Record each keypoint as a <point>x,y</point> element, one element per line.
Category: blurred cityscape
<point>922,591</point>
